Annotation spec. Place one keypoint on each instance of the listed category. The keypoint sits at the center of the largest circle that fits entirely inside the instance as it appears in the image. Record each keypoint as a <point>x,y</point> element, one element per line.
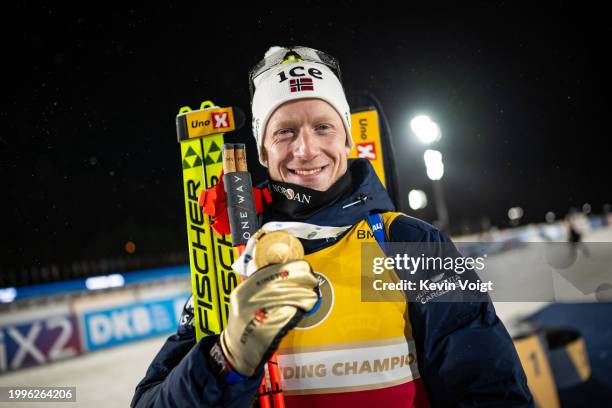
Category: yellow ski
<point>200,134</point>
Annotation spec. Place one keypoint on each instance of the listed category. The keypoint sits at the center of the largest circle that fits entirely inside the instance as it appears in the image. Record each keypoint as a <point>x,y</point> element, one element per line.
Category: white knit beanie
<point>293,80</point>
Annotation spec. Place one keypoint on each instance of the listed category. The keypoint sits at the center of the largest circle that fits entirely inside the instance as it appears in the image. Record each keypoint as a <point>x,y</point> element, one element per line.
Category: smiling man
<point>305,144</point>
<point>334,348</point>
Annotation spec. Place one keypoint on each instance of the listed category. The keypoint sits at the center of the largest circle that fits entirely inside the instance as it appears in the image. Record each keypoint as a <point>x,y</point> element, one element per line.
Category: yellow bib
<point>348,344</point>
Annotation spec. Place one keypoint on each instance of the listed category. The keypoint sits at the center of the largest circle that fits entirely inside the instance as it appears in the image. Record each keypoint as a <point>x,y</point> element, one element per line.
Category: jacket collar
<point>366,196</point>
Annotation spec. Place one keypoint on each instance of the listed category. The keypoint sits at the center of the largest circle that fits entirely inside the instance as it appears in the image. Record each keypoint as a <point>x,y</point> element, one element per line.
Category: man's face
<point>305,144</point>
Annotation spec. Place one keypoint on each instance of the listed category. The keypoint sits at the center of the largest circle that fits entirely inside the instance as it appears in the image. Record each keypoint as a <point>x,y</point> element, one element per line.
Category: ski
<point>371,135</point>
<point>200,134</point>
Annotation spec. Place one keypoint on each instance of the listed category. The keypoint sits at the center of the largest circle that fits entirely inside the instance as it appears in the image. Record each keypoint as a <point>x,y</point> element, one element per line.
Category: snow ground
<point>104,378</point>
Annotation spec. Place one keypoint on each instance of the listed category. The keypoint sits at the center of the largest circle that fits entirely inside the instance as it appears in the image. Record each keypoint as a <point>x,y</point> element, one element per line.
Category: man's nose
<point>305,145</point>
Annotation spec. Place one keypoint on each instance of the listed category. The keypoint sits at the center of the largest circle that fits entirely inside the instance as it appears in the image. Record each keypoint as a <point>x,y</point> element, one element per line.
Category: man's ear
<point>346,145</point>
<point>264,156</point>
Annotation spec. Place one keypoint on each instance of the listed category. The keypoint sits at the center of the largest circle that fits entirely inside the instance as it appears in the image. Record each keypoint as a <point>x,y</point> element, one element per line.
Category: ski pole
<point>243,224</point>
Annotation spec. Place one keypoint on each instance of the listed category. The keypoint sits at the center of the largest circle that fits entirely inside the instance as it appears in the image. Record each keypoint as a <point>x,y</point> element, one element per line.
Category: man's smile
<point>312,171</point>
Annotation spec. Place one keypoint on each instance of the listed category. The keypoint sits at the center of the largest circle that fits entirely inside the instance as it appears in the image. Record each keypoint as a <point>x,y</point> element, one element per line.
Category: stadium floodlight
<point>7,295</point>
<point>433,163</point>
<point>425,129</point>
<point>104,282</point>
<point>515,213</point>
<point>586,208</point>
<point>417,199</point>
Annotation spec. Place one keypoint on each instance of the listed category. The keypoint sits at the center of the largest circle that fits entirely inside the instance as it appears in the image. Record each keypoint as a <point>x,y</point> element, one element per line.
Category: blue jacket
<point>466,357</point>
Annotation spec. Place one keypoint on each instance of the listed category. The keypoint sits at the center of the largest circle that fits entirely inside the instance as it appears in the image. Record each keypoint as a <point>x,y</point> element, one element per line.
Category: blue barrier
<point>78,285</point>
<point>131,322</point>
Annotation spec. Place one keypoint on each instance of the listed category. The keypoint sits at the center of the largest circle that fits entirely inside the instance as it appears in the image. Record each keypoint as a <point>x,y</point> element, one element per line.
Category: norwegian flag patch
<point>301,84</point>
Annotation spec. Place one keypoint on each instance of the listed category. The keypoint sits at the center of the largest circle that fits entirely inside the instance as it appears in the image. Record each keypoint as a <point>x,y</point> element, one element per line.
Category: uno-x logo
<point>220,120</point>
<point>366,150</point>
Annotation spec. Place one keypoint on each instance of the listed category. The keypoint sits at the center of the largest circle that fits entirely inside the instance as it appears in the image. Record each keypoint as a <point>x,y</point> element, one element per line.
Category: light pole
<point>417,199</point>
<point>427,132</point>
<point>435,171</point>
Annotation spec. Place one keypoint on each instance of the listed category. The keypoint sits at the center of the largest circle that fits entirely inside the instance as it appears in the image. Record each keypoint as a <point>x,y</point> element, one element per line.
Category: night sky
<point>88,151</point>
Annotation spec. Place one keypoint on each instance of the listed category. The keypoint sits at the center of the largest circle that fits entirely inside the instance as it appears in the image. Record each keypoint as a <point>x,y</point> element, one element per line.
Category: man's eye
<point>323,127</point>
<point>283,132</point>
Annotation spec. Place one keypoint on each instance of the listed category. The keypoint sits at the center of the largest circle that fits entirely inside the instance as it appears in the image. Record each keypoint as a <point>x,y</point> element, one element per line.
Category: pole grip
<point>240,206</point>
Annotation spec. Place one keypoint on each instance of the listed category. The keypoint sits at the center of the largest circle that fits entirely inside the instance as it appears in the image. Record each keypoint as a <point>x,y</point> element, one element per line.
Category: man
<point>344,351</point>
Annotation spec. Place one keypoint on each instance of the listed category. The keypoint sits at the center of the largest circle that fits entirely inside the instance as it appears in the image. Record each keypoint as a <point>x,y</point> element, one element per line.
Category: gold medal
<point>277,247</point>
